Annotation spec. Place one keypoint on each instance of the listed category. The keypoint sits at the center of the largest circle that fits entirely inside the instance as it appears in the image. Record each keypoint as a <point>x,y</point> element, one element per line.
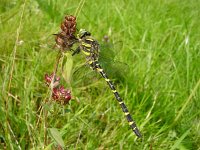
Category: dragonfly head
<point>82,33</point>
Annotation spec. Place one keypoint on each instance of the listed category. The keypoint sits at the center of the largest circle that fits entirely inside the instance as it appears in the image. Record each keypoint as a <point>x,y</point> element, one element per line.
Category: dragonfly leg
<point>71,44</point>
<point>76,51</point>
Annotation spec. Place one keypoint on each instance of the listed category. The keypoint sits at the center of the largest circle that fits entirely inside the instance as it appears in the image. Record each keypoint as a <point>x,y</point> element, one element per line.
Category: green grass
<point>158,39</point>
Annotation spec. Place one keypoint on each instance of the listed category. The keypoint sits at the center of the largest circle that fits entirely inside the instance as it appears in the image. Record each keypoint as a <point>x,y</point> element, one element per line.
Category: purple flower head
<point>49,78</point>
<point>66,94</point>
<point>55,94</point>
<point>61,94</point>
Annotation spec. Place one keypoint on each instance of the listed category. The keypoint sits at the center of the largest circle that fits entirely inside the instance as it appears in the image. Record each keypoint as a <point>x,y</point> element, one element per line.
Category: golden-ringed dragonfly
<point>90,48</point>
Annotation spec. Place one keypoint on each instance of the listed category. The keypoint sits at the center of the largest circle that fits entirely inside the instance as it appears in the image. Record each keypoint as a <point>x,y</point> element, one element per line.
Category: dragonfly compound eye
<point>82,33</point>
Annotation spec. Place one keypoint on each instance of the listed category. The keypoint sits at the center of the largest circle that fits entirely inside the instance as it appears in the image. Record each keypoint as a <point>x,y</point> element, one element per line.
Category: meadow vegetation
<point>159,41</point>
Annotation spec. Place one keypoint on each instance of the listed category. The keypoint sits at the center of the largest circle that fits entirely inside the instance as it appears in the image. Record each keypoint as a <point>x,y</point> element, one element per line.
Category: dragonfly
<point>91,50</point>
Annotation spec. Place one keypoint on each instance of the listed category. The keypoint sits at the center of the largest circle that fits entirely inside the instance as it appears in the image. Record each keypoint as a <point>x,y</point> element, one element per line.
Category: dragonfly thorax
<point>88,45</point>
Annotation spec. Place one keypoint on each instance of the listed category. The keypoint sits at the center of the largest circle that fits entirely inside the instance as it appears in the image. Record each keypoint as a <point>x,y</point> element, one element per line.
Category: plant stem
<point>46,101</point>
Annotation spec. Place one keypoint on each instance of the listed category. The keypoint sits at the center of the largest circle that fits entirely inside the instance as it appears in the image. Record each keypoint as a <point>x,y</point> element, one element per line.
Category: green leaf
<point>67,68</point>
<point>57,137</point>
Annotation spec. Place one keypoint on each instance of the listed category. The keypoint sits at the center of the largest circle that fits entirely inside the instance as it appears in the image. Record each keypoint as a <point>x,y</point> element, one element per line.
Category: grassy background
<point>158,39</point>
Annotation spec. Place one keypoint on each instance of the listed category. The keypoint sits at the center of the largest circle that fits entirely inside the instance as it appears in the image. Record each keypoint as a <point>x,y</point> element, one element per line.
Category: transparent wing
<point>108,60</point>
<point>83,75</point>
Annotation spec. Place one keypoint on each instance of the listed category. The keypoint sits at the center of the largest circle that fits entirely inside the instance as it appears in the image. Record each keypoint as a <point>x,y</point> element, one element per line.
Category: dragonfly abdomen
<point>131,122</point>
